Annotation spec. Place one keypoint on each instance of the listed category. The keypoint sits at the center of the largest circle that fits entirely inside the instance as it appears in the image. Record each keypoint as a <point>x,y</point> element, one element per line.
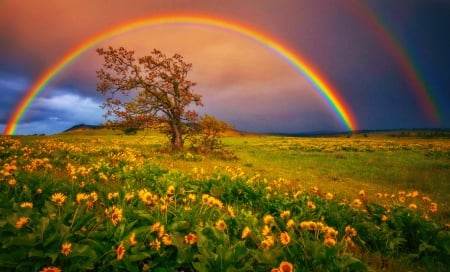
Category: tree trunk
<point>176,138</point>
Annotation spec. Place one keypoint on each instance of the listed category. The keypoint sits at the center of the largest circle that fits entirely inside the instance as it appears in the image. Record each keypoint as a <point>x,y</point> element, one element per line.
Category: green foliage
<point>109,207</point>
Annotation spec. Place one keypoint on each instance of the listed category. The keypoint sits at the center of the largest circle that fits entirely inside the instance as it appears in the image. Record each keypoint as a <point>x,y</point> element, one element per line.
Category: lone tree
<point>150,91</point>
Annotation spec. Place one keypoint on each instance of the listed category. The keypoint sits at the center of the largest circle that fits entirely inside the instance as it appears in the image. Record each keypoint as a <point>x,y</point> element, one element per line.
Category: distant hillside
<point>81,127</point>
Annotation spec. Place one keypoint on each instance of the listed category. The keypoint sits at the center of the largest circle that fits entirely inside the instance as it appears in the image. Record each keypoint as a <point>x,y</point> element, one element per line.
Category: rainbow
<point>326,90</point>
<point>421,91</point>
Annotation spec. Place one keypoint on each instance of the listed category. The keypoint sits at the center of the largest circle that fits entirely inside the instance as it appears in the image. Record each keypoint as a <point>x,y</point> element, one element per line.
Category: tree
<point>209,131</point>
<point>150,91</point>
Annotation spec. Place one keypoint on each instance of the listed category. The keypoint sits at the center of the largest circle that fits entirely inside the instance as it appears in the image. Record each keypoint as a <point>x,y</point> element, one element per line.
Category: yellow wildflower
<point>285,214</point>
<point>329,242</point>
<point>311,205</point>
<point>268,219</point>
<point>285,238</point>
<point>51,269</point>
<point>245,232</point>
<point>286,266</point>
<point>167,239</point>
<point>156,244</point>
<point>290,224</point>
<point>433,207</point>
<point>58,198</point>
<point>26,205</point>
<point>170,190</point>
<point>21,222</point>
<point>190,238</point>
<point>132,239</point>
<point>66,248</point>
<point>221,225</point>
<point>120,251</point>
<point>412,206</point>
<point>230,211</point>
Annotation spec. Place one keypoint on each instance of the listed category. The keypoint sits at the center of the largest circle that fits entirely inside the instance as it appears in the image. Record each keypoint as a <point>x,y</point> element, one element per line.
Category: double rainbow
<point>326,90</point>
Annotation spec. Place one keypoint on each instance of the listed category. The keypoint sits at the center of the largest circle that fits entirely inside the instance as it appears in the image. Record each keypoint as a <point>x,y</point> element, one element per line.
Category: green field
<point>299,197</point>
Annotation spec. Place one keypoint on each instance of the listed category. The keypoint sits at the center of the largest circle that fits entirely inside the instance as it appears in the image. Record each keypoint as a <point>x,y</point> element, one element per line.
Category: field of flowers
<point>91,204</point>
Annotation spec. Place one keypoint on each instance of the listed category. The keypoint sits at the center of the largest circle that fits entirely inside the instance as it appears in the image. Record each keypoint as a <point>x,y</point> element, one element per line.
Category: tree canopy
<point>148,91</point>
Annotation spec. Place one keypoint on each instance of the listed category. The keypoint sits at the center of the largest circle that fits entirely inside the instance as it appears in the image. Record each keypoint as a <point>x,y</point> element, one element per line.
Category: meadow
<point>94,200</point>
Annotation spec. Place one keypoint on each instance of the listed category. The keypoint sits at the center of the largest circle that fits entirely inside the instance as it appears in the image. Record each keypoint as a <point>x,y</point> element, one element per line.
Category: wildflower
<point>58,198</point>
<point>26,205</point>
<point>357,203</point>
<point>81,196</point>
<point>362,193</point>
<point>167,239</point>
<point>433,207</point>
<point>113,195</point>
<point>311,205</point>
<point>145,267</point>
<point>414,194</point>
<point>285,214</point>
<point>155,244</point>
<point>349,231</point>
<point>266,230</point>
<point>192,197</point>
<point>412,206</point>
<point>286,266</point>
<point>285,238</point>
<point>230,211</point>
<point>329,242</point>
<point>39,191</point>
<point>155,227</point>
<point>163,208</point>
<point>51,269</point>
<point>66,248</point>
<point>290,224</point>
<point>91,200</point>
<point>384,218</point>
<point>132,239</point>
<point>129,196</point>
<point>330,233</point>
<point>205,198</point>
<point>120,251</point>
<point>12,182</point>
<point>245,232</point>
<point>221,225</point>
<point>161,231</point>
<point>116,215</point>
<point>329,196</point>
<point>401,199</point>
<point>268,219</point>
<point>267,243</point>
<point>426,199</point>
<point>379,195</point>
<point>190,238</point>
<point>21,222</point>
<point>170,190</point>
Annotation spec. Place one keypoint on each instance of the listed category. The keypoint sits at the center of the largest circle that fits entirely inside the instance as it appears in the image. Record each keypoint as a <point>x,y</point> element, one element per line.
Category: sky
<point>387,61</point>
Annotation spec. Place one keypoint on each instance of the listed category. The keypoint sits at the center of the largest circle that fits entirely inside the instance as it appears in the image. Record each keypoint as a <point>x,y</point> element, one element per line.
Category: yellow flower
<point>401,199</point>
<point>26,205</point>
<point>167,239</point>
<point>412,206</point>
<point>311,205</point>
<point>66,248</point>
<point>267,243</point>
<point>120,251</point>
<point>113,195</point>
<point>268,219</point>
<point>155,227</point>
<point>329,242</point>
<point>129,196</point>
<point>12,182</point>
<point>384,218</point>
<point>132,239</point>
<point>116,215</point>
<point>433,207</point>
<point>290,224</point>
<point>245,232</point>
<point>21,222</point>
<point>329,196</point>
<point>221,225</point>
<point>285,214</point>
<point>349,231</point>
<point>156,244</point>
<point>357,203</point>
<point>414,194</point>
<point>362,193</point>
<point>266,230</point>
<point>285,238</point>
<point>190,238</point>
<point>286,267</point>
<point>426,199</point>
<point>171,190</point>
<point>38,191</point>
<point>51,269</point>
<point>231,211</point>
<point>330,233</point>
<point>58,198</point>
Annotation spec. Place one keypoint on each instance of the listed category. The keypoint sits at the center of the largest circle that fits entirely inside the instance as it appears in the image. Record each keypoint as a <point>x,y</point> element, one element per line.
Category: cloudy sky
<point>389,61</point>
